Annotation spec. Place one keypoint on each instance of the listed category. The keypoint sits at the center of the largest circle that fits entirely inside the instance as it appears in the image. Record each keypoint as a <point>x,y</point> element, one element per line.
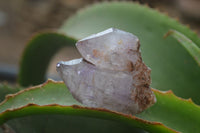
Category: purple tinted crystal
<point>111,74</point>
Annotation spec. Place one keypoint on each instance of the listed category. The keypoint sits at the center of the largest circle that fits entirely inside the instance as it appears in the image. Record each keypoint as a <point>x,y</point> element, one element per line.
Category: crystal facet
<point>111,74</point>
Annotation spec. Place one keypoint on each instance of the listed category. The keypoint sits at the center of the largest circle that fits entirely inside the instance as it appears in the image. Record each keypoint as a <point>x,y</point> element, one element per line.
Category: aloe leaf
<point>172,66</point>
<point>177,113</point>
<point>55,98</point>
<point>37,55</point>
<point>6,89</point>
<point>59,123</point>
<point>190,46</point>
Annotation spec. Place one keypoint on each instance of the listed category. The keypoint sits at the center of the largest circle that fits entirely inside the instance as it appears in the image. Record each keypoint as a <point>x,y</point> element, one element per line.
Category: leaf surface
<point>190,46</point>
<point>37,55</point>
<point>53,98</point>
<point>6,89</point>
<point>180,114</point>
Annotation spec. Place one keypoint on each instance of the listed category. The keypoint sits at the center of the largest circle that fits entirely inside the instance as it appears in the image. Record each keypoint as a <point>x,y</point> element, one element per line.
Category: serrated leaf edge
<point>155,10</point>
<point>2,114</point>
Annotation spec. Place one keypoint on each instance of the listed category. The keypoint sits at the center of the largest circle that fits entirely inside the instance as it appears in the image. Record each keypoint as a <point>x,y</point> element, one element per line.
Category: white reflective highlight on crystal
<point>98,34</point>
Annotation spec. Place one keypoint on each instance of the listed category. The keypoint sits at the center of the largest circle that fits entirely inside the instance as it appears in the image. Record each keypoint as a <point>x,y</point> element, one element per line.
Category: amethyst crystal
<point>111,74</point>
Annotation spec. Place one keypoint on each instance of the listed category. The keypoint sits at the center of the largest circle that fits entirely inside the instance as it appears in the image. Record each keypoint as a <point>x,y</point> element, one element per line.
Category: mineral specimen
<point>111,74</point>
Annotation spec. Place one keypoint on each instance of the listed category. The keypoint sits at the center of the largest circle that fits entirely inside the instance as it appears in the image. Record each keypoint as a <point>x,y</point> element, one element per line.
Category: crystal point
<point>111,49</point>
<point>111,74</point>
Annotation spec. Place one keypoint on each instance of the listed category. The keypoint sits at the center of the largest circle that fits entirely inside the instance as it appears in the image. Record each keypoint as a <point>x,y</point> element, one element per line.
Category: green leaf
<point>55,98</point>
<point>37,55</point>
<point>6,89</point>
<point>172,66</point>
<point>48,93</point>
<point>191,47</point>
<point>59,123</point>
<point>177,113</point>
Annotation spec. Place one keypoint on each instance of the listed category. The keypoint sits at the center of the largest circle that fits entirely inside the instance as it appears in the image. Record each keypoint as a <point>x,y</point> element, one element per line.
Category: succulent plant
<point>50,107</point>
